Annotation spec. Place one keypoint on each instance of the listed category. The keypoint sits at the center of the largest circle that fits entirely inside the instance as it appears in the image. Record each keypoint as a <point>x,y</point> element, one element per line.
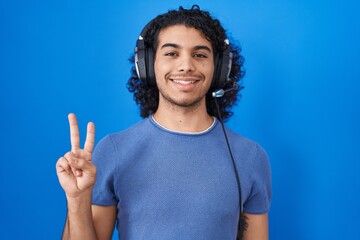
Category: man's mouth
<point>183,82</point>
<point>184,79</point>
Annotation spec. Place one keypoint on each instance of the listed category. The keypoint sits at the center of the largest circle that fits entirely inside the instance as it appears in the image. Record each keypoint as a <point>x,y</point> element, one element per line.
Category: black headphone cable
<point>240,231</point>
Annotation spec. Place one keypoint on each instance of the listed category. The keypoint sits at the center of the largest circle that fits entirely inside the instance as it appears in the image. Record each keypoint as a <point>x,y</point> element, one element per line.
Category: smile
<point>183,82</point>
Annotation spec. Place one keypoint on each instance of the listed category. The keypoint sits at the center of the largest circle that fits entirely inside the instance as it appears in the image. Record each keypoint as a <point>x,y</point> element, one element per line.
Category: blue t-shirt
<point>171,185</point>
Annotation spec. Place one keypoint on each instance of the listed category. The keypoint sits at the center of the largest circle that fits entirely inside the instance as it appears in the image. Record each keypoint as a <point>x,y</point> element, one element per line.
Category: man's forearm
<point>79,223</point>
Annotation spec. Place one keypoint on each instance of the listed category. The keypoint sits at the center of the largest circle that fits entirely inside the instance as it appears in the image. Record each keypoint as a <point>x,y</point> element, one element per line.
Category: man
<point>171,176</point>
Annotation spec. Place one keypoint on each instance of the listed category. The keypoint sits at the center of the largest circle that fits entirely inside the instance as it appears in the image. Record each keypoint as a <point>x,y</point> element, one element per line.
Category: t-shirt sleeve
<point>104,158</point>
<point>260,197</point>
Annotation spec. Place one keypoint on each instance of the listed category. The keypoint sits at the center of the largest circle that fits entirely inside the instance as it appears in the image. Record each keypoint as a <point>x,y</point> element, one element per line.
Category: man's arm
<point>99,225</point>
<point>104,220</point>
<point>77,175</point>
<point>258,227</point>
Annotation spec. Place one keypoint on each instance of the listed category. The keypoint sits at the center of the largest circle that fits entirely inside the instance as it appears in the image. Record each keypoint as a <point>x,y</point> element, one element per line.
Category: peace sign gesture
<point>75,169</point>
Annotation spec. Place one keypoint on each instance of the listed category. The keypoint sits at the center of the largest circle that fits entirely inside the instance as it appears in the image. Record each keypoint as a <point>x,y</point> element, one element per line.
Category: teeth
<point>183,82</point>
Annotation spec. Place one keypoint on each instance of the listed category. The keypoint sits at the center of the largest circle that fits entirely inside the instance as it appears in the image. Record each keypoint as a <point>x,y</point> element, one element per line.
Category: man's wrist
<point>79,203</point>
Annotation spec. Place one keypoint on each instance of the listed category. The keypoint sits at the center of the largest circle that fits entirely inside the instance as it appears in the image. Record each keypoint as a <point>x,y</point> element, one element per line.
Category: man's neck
<point>183,119</point>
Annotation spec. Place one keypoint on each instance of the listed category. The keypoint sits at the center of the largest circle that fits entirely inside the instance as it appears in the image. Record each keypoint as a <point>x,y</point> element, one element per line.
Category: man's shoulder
<point>235,136</point>
<point>124,138</point>
<point>243,142</point>
<point>134,130</point>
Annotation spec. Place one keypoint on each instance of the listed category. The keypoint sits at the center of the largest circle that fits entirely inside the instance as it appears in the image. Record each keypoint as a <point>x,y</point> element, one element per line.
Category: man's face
<point>184,66</point>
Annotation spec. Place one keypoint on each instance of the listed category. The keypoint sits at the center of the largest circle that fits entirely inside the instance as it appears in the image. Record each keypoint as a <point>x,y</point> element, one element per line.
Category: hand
<point>75,170</point>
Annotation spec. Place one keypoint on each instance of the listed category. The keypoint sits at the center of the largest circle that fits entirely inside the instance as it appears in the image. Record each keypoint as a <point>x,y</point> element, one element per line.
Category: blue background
<point>301,102</point>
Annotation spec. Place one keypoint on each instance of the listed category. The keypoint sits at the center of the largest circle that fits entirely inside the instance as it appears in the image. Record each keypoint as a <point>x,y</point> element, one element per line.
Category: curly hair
<point>148,96</point>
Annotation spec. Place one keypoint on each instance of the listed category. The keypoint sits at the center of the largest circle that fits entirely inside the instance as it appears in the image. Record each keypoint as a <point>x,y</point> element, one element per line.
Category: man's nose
<point>186,64</point>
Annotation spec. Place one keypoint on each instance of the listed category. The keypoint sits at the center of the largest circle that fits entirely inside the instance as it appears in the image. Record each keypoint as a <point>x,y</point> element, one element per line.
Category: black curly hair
<point>148,96</point>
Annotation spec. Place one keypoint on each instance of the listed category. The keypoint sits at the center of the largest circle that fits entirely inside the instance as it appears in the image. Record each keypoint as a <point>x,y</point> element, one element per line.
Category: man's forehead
<point>182,35</point>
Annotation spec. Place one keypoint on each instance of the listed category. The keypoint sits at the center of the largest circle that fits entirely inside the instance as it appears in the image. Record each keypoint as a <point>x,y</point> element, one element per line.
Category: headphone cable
<point>234,165</point>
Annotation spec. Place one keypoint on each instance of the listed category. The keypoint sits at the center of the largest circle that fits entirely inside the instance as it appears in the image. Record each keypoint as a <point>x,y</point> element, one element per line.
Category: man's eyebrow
<point>197,47</point>
<point>172,45</point>
<point>200,47</point>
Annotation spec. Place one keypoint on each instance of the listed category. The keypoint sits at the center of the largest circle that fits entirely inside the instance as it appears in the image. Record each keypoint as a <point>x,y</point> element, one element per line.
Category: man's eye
<point>171,54</point>
<point>199,55</point>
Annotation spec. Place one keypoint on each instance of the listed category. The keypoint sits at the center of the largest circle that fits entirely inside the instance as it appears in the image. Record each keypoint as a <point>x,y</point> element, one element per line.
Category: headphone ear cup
<point>215,80</point>
<point>223,64</point>
<point>140,60</point>
<point>150,67</point>
<point>144,59</point>
<point>144,63</point>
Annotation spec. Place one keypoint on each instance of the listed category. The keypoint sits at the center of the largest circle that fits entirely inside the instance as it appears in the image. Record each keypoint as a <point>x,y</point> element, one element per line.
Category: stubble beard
<point>188,103</point>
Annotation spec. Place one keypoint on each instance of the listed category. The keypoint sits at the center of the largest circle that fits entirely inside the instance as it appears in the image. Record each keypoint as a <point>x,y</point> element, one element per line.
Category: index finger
<point>74,133</point>
<point>90,137</point>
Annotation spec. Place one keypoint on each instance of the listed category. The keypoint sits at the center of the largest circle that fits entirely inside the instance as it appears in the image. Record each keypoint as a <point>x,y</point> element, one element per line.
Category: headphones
<point>144,62</point>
